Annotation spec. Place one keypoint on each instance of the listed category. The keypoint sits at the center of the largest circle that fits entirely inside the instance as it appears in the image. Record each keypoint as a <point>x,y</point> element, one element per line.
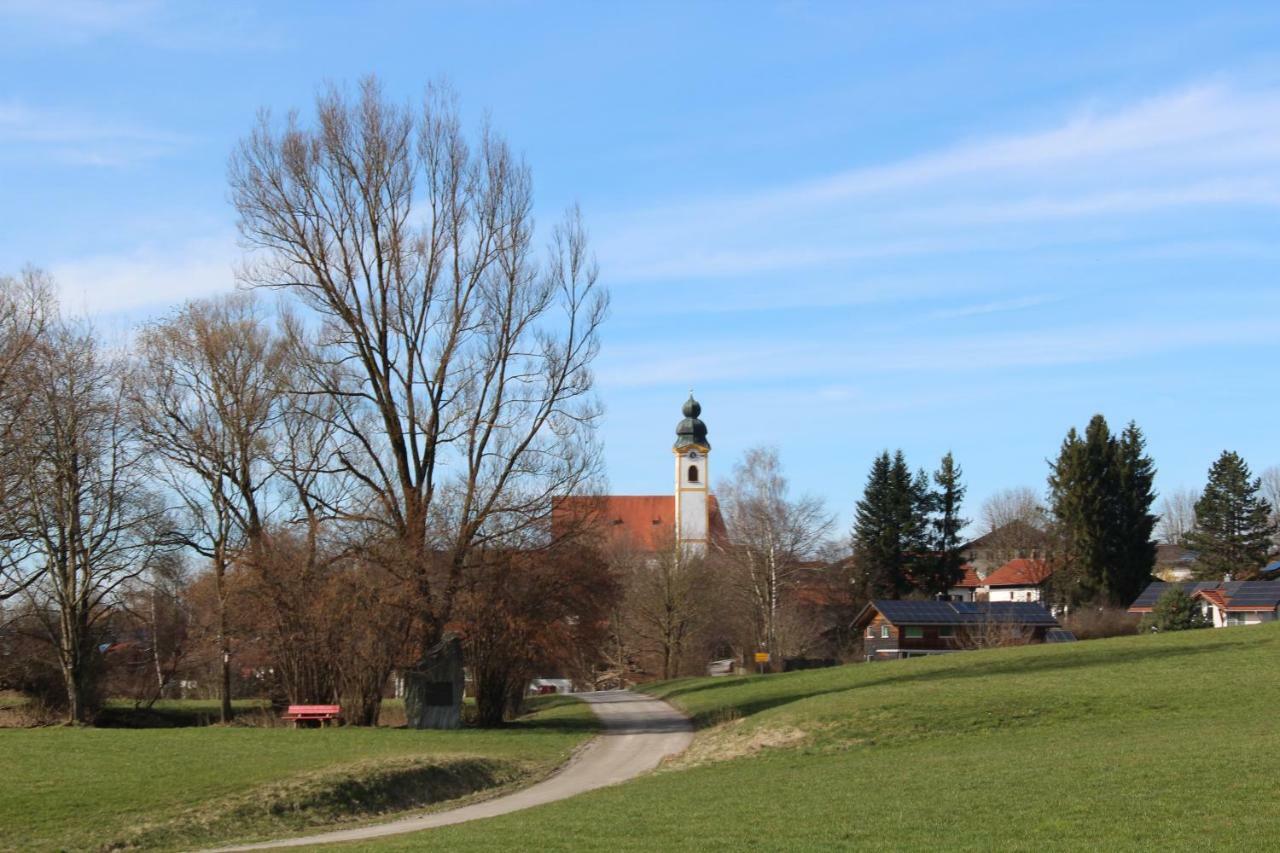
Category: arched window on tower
<point>693,473</point>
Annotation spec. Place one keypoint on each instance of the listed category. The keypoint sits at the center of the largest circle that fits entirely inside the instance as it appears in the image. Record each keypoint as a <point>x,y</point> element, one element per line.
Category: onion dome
<point>691,432</point>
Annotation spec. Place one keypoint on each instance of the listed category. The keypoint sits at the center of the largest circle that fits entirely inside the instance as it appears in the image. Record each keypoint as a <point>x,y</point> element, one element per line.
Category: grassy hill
<point>84,789</point>
<point>1149,742</point>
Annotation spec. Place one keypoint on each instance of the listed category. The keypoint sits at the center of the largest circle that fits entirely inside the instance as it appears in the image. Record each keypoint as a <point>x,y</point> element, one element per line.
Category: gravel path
<point>638,733</point>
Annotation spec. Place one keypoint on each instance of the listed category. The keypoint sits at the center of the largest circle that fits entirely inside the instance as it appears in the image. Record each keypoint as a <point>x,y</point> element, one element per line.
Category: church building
<point>689,516</point>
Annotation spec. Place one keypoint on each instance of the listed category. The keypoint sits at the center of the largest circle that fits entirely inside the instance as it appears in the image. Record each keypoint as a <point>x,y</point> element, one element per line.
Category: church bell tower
<point>692,480</point>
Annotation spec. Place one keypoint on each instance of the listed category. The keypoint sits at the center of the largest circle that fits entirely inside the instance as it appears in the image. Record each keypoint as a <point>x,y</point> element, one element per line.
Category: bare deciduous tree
<point>1177,514</point>
<point>1006,506</point>
<point>773,539</point>
<point>457,364</point>
<point>1271,491</point>
<point>26,308</point>
<point>206,398</point>
<point>669,596</point>
<point>88,523</point>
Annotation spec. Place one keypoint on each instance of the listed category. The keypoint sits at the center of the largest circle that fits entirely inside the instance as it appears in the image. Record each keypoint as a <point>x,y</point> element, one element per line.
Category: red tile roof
<point>1213,596</point>
<point>970,580</point>
<point>1020,572</point>
<point>641,522</point>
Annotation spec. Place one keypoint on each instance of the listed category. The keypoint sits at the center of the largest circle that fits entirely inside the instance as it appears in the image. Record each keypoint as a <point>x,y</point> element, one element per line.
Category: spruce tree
<point>1101,491</point>
<point>1233,528</point>
<point>1081,499</point>
<point>943,567</point>
<point>1174,611</point>
<point>1136,547</point>
<point>889,526</point>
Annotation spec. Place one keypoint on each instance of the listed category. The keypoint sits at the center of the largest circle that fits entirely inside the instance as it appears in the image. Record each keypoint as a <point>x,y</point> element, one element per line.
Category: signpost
<point>762,658</point>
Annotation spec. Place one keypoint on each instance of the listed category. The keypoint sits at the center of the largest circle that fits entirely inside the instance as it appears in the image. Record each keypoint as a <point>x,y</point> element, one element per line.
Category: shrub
<point>1094,623</point>
<point>1174,611</point>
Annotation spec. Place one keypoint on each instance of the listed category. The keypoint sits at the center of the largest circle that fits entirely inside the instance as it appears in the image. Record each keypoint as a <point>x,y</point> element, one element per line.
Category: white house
<point>1226,604</point>
<point>1023,579</point>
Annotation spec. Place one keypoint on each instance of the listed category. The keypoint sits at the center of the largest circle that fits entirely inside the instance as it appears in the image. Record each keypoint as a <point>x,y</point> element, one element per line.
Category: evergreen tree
<point>1136,551</point>
<point>1081,500</point>
<point>889,526</point>
<point>1233,527</point>
<point>1101,494</point>
<point>1174,611</point>
<point>943,568</point>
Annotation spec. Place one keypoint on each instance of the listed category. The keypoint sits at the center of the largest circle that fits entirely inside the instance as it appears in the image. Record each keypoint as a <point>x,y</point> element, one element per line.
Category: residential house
<point>902,629</point>
<point>1021,579</point>
<point>966,589</point>
<point>1174,563</point>
<point>1226,604</point>
<point>1012,541</point>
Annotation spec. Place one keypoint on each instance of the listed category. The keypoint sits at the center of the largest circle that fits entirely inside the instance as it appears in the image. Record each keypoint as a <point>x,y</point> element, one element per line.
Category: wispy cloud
<point>147,279</point>
<point>824,361</point>
<point>157,23</point>
<point>1205,146</point>
<point>39,134</point>
<point>999,306</point>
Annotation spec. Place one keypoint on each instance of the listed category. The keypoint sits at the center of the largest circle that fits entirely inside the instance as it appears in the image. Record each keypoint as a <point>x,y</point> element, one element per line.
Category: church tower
<point>692,480</point>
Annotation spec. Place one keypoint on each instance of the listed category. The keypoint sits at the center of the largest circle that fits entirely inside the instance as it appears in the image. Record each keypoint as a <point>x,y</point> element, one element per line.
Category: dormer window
<point>693,473</point>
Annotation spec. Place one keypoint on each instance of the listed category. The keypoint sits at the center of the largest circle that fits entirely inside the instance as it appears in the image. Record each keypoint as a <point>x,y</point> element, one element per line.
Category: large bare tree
<point>1018,504</point>
<point>457,361</point>
<point>1271,491</point>
<point>1177,516</point>
<point>207,397</point>
<point>87,521</point>
<point>669,599</point>
<point>26,309</point>
<point>773,540</point>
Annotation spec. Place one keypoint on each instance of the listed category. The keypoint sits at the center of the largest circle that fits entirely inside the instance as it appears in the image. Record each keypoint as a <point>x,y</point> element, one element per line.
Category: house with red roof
<point>1226,604</point>
<point>1020,579</point>
<point>966,589</point>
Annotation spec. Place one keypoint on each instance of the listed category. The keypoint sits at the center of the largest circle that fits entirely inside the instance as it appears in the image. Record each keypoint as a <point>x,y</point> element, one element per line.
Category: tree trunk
<point>224,642</point>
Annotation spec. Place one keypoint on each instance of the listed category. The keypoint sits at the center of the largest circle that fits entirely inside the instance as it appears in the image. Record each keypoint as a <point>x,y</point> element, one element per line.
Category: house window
<point>914,633</point>
<point>947,631</point>
<point>693,473</point>
<point>871,632</point>
<point>884,632</point>
<point>1236,619</point>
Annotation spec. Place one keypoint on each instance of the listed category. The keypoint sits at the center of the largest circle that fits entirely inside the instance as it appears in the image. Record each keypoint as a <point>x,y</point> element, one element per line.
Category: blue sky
<point>961,226</point>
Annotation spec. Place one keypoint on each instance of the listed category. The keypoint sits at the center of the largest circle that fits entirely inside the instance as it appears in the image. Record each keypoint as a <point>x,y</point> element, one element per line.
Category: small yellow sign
<point>762,657</point>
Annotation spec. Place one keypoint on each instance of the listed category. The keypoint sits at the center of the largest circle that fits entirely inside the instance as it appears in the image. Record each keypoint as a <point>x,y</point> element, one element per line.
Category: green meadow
<point>1140,743</point>
<point>162,788</point>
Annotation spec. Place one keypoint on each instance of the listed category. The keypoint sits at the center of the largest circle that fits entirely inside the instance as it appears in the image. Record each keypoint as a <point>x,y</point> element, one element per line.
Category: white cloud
<point>1205,146</point>
<point>28,133</point>
<point>803,361</point>
<point>996,307</point>
<point>157,23</point>
<point>149,278</point>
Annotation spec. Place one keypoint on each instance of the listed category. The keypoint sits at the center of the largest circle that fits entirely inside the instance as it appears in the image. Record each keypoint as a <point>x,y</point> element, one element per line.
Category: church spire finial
<point>691,431</point>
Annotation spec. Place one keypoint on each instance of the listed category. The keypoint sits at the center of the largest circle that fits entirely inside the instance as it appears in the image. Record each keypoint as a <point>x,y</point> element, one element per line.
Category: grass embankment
<point>1139,743</point>
<point>84,788</point>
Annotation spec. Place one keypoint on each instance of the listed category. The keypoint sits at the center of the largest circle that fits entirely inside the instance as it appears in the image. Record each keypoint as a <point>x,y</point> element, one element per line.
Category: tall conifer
<point>889,526</point>
<point>942,568</point>
<point>1233,528</point>
<point>1136,553</point>
<point>1101,493</point>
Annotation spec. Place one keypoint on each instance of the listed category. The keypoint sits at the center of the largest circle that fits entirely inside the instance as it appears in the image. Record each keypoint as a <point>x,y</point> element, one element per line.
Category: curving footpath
<point>639,732</point>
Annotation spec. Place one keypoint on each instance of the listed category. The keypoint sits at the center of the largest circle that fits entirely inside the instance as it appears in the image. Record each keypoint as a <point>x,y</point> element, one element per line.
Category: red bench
<point>297,714</point>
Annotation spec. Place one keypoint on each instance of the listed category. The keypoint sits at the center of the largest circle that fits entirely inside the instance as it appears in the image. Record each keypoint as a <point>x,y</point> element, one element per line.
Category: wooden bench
<point>297,714</point>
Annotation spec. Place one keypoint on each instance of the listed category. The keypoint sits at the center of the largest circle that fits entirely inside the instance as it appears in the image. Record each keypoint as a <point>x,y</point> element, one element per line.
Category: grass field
<point>1139,743</point>
<point>80,788</point>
